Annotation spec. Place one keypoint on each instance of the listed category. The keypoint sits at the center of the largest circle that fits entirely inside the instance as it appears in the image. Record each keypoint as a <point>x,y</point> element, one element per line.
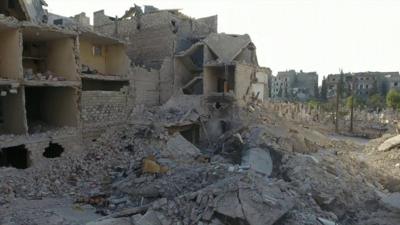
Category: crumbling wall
<point>204,26</point>
<point>243,80</point>
<point>146,86</point>
<point>102,109</point>
<point>151,46</point>
<point>11,54</point>
<point>166,80</point>
<point>61,59</point>
<point>111,27</point>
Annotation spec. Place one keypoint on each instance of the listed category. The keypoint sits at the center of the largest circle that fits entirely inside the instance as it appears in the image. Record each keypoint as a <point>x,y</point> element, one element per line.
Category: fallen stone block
<point>389,144</point>
<point>179,147</point>
<point>259,211</point>
<point>229,205</point>
<point>150,218</point>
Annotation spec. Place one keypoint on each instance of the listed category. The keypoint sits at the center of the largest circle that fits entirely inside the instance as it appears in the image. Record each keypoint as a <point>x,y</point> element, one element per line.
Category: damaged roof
<point>227,47</point>
<point>33,10</point>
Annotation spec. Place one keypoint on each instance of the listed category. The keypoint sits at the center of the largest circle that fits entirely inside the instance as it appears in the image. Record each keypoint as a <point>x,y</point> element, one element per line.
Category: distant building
<point>290,85</point>
<point>364,83</point>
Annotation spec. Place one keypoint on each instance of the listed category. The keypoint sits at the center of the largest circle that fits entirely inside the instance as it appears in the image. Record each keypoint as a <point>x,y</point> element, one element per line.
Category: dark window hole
<point>17,157</point>
<point>53,151</point>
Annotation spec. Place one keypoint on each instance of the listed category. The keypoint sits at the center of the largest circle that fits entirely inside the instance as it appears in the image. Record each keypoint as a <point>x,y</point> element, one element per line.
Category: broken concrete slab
<point>150,218</point>
<point>264,208</point>
<point>227,47</point>
<point>179,147</point>
<point>259,160</point>
<point>229,205</point>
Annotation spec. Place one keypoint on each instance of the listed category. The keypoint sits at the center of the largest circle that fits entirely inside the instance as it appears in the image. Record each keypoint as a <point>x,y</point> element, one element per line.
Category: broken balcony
<point>51,108</point>
<point>189,70</point>
<point>219,80</point>
<point>102,58</point>
<point>49,58</point>
<point>12,112</point>
<point>10,53</point>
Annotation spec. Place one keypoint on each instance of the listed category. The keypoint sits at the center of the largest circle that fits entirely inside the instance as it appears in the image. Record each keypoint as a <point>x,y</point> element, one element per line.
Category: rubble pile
<point>261,173</point>
<point>46,76</point>
<point>383,156</point>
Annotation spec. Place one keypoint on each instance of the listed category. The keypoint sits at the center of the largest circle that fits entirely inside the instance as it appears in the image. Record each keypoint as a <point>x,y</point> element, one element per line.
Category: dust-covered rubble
<point>258,172</point>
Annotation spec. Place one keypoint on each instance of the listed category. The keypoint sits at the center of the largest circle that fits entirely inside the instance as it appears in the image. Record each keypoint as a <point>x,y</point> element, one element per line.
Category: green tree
<point>376,101</point>
<point>393,99</point>
<point>314,104</point>
<point>356,101</point>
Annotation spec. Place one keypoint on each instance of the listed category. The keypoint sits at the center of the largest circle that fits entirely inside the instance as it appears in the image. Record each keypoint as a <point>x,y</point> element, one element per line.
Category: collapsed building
<point>211,155</point>
<point>65,82</point>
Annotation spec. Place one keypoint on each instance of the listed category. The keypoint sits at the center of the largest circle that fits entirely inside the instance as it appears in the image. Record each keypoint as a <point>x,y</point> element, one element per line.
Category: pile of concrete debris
<point>258,173</point>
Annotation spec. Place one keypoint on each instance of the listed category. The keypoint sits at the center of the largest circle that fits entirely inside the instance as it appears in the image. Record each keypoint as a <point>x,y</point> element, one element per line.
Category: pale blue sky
<point>312,35</point>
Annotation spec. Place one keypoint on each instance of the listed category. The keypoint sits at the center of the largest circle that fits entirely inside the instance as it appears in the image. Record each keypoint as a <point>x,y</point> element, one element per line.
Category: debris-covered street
<point>260,172</point>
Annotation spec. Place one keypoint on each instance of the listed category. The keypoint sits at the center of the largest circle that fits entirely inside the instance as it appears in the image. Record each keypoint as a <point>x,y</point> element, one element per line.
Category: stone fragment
<point>229,205</point>
<point>258,160</point>
<point>389,144</point>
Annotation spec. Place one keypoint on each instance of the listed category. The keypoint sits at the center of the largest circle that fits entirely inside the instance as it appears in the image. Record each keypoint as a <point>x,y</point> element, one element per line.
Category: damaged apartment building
<point>64,82</point>
<point>365,83</point>
<point>56,85</point>
<point>154,37</point>
<point>171,51</point>
<point>290,85</point>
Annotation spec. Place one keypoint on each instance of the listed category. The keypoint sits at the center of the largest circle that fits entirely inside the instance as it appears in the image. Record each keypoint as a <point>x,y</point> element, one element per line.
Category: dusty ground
<point>138,175</point>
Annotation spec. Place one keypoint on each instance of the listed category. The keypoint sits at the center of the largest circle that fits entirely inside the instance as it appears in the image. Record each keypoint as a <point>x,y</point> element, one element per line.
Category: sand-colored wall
<point>61,58</point>
<point>10,54</point>
<point>243,80</point>
<point>87,58</point>
<point>117,62</point>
